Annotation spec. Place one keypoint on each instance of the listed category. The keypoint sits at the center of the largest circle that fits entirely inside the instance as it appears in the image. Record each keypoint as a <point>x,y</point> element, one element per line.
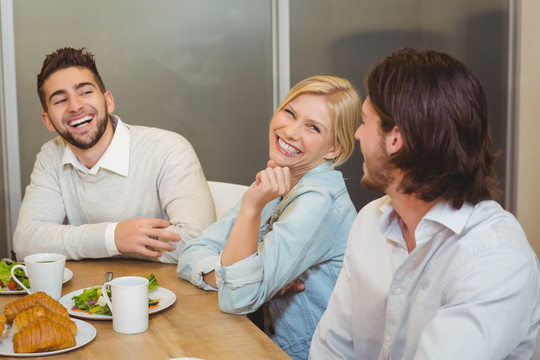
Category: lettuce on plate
<point>91,300</point>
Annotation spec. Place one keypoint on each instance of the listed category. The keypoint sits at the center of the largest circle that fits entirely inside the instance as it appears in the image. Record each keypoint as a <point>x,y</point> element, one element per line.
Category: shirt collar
<point>322,167</point>
<point>115,158</point>
<point>442,213</point>
<point>388,214</point>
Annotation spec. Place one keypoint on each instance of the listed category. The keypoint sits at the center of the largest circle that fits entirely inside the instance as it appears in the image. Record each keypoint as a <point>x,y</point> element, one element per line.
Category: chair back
<point>536,354</point>
<point>225,195</point>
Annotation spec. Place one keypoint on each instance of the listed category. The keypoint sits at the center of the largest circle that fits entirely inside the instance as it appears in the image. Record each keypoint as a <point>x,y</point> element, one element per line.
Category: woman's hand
<point>294,286</point>
<point>270,183</point>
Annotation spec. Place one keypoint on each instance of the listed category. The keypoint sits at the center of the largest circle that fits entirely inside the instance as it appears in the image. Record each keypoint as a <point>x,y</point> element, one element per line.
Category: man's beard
<point>88,140</point>
<point>378,175</point>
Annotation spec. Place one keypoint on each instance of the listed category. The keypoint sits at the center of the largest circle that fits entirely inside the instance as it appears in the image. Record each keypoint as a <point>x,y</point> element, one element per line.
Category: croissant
<point>42,334</point>
<point>26,317</point>
<point>15,307</point>
<point>2,323</point>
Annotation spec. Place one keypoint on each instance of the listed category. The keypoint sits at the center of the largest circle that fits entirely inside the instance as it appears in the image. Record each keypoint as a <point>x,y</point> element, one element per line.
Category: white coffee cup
<point>129,305</point>
<point>45,273</point>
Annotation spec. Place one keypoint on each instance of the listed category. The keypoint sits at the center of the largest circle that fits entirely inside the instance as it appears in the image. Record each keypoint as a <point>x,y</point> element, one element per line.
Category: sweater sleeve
<point>40,226</point>
<point>184,195</point>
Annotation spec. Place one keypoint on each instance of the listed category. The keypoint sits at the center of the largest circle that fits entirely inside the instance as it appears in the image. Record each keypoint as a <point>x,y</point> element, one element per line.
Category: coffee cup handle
<point>105,295</point>
<point>17,280</point>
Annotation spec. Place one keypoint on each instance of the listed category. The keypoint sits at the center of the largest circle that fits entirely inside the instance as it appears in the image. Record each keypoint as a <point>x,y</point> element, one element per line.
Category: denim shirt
<point>304,236</point>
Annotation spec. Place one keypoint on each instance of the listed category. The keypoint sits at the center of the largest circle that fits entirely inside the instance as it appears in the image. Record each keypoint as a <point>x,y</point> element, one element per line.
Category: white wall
<point>528,198</point>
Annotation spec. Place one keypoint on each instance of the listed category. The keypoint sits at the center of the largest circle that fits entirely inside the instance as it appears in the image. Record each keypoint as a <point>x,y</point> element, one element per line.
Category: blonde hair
<point>344,103</point>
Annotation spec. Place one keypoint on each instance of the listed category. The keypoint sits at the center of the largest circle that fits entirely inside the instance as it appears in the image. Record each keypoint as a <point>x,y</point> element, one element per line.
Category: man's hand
<point>294,286</point>
<point>145,236</point>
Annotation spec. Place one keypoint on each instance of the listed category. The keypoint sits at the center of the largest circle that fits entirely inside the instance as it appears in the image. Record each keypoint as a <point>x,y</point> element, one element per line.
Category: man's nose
<point>75,104</point>
<point>357,133</point>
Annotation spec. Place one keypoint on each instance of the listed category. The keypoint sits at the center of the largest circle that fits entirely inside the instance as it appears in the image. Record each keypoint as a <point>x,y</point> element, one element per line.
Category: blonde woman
<point>292,223</point>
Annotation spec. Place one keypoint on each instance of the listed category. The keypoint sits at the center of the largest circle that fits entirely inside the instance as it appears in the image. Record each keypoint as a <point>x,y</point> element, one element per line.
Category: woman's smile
<point>287,148</point>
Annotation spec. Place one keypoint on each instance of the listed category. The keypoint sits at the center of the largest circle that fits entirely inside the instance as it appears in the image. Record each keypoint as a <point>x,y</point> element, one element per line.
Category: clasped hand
<point>270,183</point>
<point>145,236</point>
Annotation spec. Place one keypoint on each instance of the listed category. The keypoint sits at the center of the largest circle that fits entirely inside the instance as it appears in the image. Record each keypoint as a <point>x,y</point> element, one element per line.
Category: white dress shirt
<point>469,290</point>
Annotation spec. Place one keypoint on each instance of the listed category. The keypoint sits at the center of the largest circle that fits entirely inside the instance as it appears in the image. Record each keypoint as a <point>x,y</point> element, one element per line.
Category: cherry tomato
<point>12,285</point>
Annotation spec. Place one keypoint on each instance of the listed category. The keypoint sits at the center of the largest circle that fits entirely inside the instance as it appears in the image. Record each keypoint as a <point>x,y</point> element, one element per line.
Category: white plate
<point>68,274</point>
<point>167,298</point>
<point>85,334</point>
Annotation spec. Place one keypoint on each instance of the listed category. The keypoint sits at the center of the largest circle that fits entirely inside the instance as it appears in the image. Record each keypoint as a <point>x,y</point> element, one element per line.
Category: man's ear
<point>47,121</point>
<point>109,100</point>
<point>334,151</point>
<point>394,141</point>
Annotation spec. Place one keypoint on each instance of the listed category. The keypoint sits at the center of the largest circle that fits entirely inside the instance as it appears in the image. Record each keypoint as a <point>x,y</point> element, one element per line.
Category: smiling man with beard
<point>105,188</point>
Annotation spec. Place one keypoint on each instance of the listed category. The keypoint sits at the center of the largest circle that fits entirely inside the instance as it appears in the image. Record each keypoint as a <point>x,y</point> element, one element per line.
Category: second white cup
<point>129,304</point>
<point>45,273</point>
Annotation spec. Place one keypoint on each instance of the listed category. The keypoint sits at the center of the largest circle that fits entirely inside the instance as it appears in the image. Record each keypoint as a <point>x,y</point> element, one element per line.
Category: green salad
<point>91,300</point>
<point>6,281</point>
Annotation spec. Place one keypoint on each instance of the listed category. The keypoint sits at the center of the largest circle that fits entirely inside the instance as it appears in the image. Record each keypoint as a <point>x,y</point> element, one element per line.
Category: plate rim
<point>84,315</point>
<point>86,340</point>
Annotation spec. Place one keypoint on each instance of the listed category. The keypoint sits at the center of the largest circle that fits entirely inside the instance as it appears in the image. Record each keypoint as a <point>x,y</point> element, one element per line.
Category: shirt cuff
<point>204,266</point>
<point>243,272</point>
<point>110,245</point>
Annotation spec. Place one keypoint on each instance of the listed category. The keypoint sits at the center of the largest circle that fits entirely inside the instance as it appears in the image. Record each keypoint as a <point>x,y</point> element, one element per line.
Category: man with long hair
<point>436,268</point>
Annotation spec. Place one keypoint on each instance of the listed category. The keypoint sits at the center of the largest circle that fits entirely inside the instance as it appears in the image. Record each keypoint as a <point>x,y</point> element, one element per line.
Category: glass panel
<point>3,192</point>
<point>3,200</point>
<point>345,38</point>
<point>200,68</point>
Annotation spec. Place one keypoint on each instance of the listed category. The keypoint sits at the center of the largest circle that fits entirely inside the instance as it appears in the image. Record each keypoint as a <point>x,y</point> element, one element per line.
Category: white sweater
<point>68,211</point>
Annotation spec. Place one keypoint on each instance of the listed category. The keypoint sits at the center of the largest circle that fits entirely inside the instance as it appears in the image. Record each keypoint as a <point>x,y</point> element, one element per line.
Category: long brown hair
<point>440,108</point>
<point>62,59</point>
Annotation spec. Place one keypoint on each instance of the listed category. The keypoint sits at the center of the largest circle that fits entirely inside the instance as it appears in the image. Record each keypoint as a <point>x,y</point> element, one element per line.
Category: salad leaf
<point>152,282</point>
<point>89,300</point>
<point>5,274</point>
